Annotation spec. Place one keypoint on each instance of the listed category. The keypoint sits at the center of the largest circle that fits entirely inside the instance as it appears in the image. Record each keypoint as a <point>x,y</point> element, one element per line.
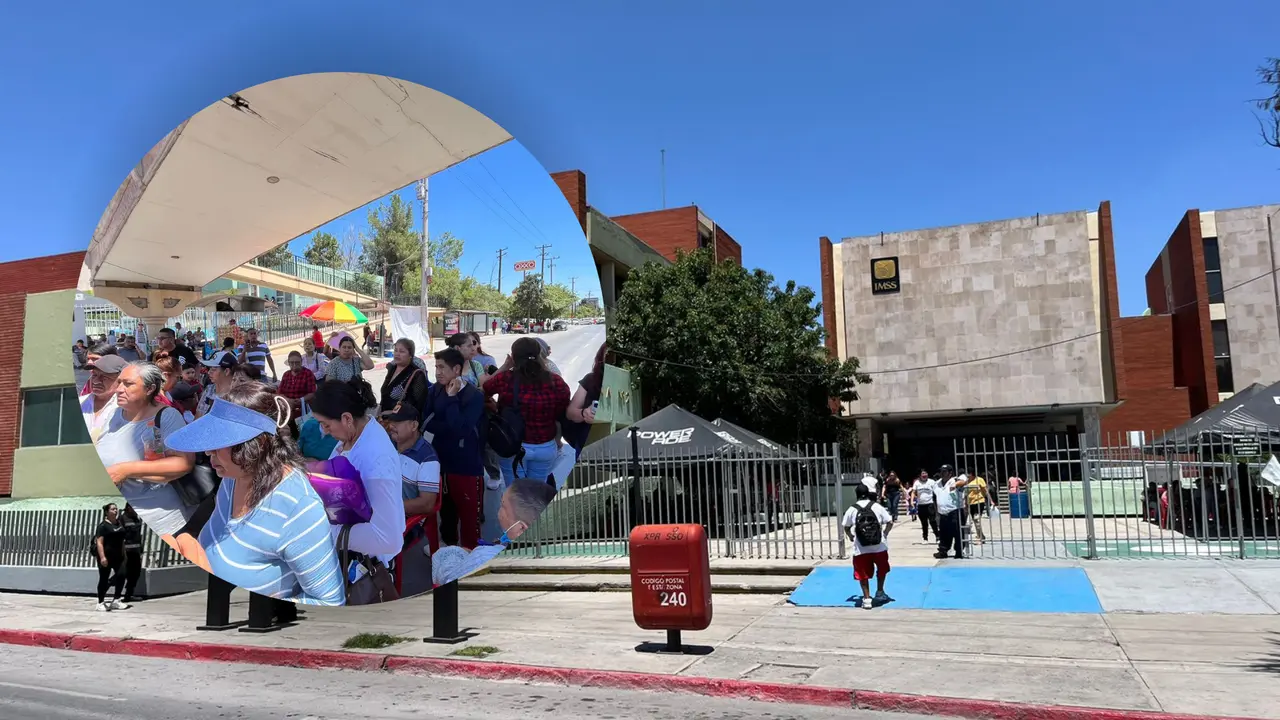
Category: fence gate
<point>783,507</point>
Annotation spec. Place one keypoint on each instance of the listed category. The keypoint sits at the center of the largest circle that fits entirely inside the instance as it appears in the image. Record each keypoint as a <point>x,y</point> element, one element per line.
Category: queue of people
<point>222,465</point>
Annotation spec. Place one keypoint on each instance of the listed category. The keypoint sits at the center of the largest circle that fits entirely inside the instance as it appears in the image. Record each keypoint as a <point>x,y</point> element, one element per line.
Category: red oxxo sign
<point>526,265</point>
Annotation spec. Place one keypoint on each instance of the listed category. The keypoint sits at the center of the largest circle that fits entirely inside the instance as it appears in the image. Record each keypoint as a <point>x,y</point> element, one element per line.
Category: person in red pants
<point>455,420</point>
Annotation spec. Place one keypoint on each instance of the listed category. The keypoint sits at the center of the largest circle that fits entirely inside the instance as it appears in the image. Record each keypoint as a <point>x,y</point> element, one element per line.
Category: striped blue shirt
<point>282,548</point>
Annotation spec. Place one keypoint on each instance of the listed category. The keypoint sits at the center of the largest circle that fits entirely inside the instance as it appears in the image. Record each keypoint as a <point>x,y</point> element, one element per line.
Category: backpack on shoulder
<point>506,427</point>
<point>866,526</point>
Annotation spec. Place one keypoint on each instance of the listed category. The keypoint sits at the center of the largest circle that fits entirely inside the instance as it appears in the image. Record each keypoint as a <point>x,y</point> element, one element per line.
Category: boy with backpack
<point>867,524</point>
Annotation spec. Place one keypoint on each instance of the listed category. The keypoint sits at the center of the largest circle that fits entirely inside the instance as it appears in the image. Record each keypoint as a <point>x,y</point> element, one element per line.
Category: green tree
<point>559,300</point>
<point>275,257</point>
<point>393,245</point>
<point>366,284</point>
<point>723,341</point>
<point>324,251</point>
<point>529,300</point>
<point>1269,120</point>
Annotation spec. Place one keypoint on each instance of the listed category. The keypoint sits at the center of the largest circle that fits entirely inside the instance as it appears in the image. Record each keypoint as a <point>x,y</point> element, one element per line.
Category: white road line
<point>54,691</point>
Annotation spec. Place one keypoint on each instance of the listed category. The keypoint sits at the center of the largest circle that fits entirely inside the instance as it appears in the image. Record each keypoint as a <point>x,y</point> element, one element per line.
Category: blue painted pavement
<point>990,589</point>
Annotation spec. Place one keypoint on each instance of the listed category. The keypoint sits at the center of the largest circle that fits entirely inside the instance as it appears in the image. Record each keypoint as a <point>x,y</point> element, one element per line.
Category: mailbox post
<point>671,584</point>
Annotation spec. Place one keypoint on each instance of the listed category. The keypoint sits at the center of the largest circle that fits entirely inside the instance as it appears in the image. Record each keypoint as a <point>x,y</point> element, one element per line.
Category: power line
<point>534,230</point>
<point>543,266</point>
<point>513,200</point>
<point>936,366</point>
<point>524,236</point>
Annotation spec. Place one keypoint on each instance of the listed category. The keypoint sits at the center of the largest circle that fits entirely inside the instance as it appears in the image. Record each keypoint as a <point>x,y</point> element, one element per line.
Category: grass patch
<point>475,651</point>
<point>372,641</point>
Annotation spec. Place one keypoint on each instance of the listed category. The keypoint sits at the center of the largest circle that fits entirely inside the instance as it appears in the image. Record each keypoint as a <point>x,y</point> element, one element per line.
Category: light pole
<point>425,292</point>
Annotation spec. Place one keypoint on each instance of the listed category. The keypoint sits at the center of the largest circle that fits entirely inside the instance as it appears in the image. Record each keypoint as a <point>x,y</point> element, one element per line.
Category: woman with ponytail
<point>269,532</point>
<point>541,397</point>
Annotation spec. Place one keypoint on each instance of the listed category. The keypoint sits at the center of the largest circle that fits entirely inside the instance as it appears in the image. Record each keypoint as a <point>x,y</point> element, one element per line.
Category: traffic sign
<point>526,265</point>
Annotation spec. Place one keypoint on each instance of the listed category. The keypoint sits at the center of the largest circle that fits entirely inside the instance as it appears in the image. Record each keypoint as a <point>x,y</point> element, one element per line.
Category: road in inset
<point>40,684</point>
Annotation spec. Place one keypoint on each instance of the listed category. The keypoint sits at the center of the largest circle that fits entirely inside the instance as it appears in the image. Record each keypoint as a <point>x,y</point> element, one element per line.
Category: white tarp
<point>407,322</point>
<point>1271,473</point>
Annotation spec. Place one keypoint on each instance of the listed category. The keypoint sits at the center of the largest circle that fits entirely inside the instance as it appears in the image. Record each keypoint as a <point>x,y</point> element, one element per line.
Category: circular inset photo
<point>334,332</point>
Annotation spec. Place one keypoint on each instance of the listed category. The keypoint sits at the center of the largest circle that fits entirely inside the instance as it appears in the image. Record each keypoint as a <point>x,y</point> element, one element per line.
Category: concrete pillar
<point>869,438</point>
<point>609,288</point>
<point>1092,427</point>
<point>154,307</point>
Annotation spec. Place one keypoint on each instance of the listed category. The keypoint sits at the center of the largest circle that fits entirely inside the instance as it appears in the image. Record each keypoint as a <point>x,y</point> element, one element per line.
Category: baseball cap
<point>109,364</point>
<point>546,349</point>
<point>182,391</point>
<point>221,359</point>
<point>401,412</point>
<point>225,425</point>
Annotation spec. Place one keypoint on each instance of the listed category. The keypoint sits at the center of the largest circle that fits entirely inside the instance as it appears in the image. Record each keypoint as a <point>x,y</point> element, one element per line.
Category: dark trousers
<point>949,529</point>
<point>133,571</point>
<point>467,495</point>
<point>928,519</point>
<point>110,576</point>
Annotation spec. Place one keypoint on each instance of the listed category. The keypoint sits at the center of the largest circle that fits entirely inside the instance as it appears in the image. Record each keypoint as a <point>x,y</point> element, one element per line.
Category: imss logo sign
<point>884,276</point>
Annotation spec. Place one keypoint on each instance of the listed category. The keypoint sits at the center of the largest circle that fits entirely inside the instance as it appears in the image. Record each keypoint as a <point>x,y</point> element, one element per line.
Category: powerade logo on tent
<point>727,437</point>
<point>666,437</point>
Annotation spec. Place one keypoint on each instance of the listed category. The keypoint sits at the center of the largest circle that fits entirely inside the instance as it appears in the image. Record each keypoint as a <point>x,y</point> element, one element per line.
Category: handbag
<point>196,486</point>
<point>366,579</point>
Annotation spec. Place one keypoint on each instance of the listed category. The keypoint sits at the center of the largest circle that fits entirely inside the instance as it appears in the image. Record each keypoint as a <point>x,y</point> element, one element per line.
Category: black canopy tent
<point>673,435</point>
<point>1208,424</point>
<point>746,434</point>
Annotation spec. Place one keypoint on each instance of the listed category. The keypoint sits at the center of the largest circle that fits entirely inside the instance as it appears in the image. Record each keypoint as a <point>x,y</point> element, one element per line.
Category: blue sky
<point>783,122</point>
<point>499,199</point>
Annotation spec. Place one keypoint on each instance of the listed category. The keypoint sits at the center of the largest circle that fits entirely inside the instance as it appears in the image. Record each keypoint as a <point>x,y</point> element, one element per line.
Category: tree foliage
<point>393,247</point>
<point>529,300</point>
<point>275,257</point>
<point>722,341</point>
<point>559,300</point>
<point>1269,119</point>
<point>324,251</point>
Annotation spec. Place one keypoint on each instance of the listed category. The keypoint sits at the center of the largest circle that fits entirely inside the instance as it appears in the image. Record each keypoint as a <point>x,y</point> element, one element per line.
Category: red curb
<point>577,677</point>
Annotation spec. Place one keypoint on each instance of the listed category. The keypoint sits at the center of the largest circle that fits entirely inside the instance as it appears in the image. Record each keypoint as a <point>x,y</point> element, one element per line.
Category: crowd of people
<point>219,456</point>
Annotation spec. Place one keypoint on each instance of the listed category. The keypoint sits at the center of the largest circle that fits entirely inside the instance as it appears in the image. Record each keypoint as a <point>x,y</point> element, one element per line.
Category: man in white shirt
<point>922,495</point>
<point>867,524</point>
<point>99,404</point>
<point>950,522</point>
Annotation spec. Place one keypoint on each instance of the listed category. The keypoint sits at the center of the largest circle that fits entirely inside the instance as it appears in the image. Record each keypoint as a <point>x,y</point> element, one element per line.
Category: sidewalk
<point>1199,664</point>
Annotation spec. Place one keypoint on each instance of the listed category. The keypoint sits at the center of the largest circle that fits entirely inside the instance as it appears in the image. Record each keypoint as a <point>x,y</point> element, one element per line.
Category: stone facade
<point>974,291</point>
<point>1252,324</point>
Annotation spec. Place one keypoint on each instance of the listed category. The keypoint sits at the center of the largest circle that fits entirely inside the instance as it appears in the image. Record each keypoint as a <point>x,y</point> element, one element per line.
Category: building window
<point>52,416</point>
<point>1222,356</point>
<point>1213,269</point>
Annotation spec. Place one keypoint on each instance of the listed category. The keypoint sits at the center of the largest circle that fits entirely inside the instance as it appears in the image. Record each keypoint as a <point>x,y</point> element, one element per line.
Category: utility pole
<point>543,262</point>
<point>553,268</point>
<point>501,253</point>
<point>424,301</point>
<point>663,171</point>
<point>573,291</point>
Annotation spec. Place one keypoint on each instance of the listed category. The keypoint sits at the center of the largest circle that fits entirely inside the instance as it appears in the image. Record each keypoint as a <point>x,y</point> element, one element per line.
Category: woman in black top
<point>131,527</point>
<point>891,494</point>
<point>108,550</point>
<point>406,379</point>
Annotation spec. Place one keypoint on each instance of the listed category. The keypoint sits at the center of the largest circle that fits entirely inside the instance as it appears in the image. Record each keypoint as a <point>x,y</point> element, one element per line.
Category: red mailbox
<point>670,577</point>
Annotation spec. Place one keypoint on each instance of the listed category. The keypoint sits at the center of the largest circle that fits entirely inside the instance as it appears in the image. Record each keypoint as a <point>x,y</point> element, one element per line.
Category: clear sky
<point>499,199</point>
<point>782,121</point>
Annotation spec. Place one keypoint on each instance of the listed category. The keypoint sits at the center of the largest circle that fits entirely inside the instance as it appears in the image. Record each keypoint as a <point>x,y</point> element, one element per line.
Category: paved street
<point>39,684</point>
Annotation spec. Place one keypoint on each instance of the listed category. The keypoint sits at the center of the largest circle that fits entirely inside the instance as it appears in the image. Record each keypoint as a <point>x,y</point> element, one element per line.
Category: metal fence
<point>778,507</point>
<point>1136,495</point>
<point>61,538</point>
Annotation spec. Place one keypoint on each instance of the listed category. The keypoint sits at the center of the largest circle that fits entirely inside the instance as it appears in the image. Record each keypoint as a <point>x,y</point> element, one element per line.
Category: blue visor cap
<point>225,425</point>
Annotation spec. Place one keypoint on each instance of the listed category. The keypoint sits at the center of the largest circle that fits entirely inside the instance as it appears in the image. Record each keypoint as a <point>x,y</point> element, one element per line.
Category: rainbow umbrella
<point>334,311</point>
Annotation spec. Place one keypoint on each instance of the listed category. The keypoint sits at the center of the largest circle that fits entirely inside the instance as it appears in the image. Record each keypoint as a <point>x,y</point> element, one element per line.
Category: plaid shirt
<point>541,406</point>
<point>297,383</point>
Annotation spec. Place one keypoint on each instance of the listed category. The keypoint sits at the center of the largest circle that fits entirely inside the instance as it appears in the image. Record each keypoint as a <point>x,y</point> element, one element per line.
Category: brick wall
<point>1110,303</point>
<point>1192,335</point>
<point>664,230</point>
<point>726,247</point>
<point>17,280</point>
<point>573,183</point>
<point>1152,401</point>
<point>828,294</point>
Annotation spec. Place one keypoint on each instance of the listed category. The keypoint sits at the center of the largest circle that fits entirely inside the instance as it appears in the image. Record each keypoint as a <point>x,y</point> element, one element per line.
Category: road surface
<point>40,684</point>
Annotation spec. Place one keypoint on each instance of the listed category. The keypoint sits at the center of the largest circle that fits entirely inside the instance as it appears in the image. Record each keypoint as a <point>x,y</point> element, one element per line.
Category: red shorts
<point>866,566</point>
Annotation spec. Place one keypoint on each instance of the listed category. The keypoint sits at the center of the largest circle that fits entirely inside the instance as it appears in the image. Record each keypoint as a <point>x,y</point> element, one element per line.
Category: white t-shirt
<point>377,460</point>
<point>946,497</point>
<point>924,491</point>
<point>96,423</point>
<point>851,515</point>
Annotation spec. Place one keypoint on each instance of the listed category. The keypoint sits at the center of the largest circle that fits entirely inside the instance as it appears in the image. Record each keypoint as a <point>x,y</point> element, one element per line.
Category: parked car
<point>560,325</point>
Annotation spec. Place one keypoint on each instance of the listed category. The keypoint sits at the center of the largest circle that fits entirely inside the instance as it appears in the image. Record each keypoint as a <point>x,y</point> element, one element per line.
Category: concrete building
<point>1013,328</point>
<point>918,307</point>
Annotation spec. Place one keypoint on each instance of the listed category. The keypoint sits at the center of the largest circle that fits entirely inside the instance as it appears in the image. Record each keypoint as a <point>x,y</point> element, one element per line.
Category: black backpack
<point>866,526</point>
<point>506,427</point>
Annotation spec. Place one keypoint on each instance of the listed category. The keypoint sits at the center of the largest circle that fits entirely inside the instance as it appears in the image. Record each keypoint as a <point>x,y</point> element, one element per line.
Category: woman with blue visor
<point>269,532</point>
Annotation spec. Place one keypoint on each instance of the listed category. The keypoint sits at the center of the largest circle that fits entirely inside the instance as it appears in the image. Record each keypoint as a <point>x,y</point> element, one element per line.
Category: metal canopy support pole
<point>1091,535</point>
<point>444,616</point>
<point>262,615</point>
<point>217,606</point>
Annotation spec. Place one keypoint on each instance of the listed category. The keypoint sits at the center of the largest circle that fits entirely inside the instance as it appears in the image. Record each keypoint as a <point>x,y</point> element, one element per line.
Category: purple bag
<point>341,490</point>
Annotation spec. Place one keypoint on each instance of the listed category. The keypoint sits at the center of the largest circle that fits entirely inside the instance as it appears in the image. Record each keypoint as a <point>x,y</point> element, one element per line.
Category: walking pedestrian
<point>867,524</point>
<point>891,494</point>
<point>108,548</point>
<point>922,495</point>
<point>131,528</point>
<point>950,521</point>
<point>978,499</point>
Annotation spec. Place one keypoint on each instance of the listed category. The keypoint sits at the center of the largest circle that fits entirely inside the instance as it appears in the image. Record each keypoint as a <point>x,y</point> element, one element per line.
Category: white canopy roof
<point>273,162</point>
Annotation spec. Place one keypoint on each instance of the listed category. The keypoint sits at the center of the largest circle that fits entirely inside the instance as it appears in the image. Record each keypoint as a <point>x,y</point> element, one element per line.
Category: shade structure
<point>674,434</point>
<point>747,435</point>
<point>334,311</point>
